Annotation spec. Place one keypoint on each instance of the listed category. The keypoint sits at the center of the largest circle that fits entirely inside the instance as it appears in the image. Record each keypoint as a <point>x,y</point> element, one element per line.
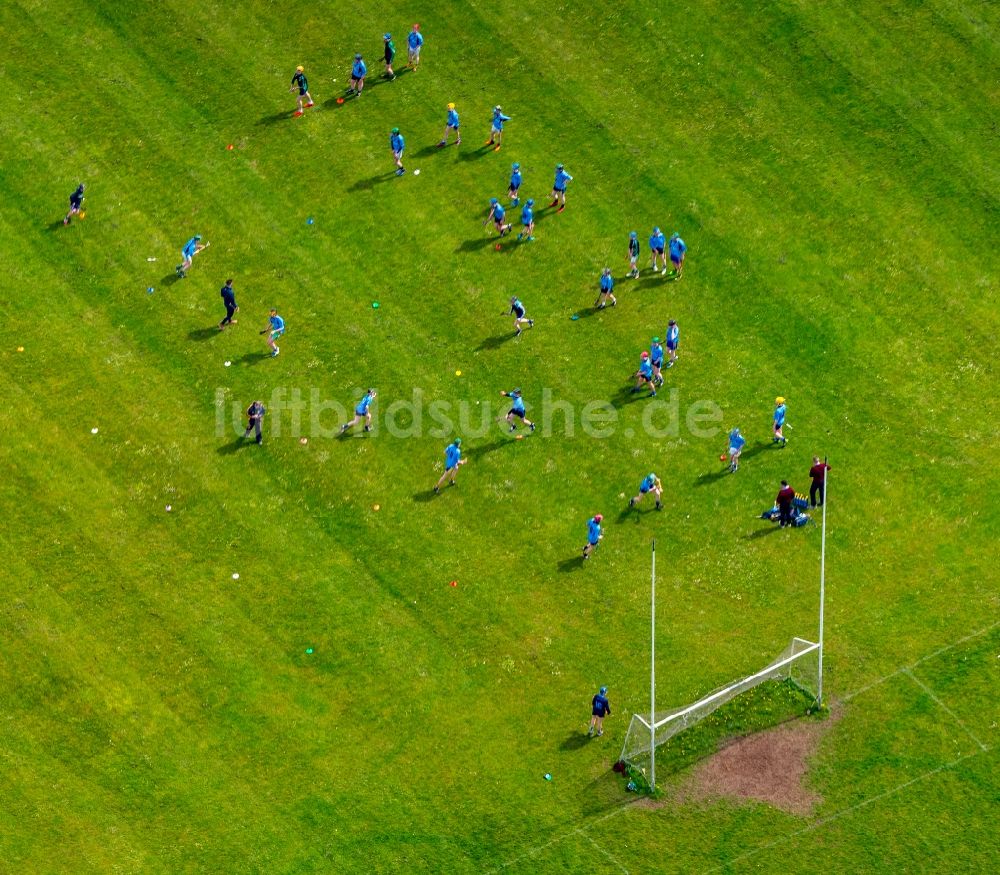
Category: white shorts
<point>733,451</point>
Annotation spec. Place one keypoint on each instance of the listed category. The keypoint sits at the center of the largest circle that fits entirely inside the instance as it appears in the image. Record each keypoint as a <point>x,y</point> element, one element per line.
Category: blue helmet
<point>515,166</point>
<point>604,691</point>
<point>493,200</point>
<point>633,234</point>
<point>531,202</point>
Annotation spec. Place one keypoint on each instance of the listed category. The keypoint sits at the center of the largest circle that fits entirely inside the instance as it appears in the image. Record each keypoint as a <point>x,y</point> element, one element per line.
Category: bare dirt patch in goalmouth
<point>764,767</point>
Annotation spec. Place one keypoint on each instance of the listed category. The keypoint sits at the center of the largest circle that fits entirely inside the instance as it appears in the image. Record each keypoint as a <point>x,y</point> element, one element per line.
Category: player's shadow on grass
<point>235,446</point>
<point>274,119</point>
<point>587,312</point>
<point>425,496</point>
<point>575,740</point>
<point>626,396</point>
<point>56,225</point>
<point>203,333</point>
<point>372,181</point>
<point>637,512</point>
<point>427,151</point>
<point>574,564</point>
<point>170,279</point>
<point>477,243</point>
<point>760,533</point>
<point>253,358</point>
<point>496,341</point>
<point>468,154</point>
<point>484,449</point>
<point>710,477</point>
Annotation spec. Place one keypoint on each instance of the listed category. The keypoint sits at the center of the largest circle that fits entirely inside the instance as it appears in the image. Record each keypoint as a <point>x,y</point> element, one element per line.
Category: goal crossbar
<point>749,681</point>
<point>657,730</point>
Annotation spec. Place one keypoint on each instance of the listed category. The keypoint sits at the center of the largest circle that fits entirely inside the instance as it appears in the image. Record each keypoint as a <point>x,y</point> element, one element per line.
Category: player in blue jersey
<point>414,42</point>
<point>496,127</point>
<point>190,250</point>
<point>497,213</point>
<point>517,410</point>
<point>562,179</point>
<point>517,311</point>
<point>673,341</point>
<point>515,183</point>
<point>657,249</point>
<point>75,203</point>
<point>362,411</point>
<point>528,220</point>
<point>780,409</point>
<point>274,329</point>
<point>644,376</point>
<point>594,534</point>
<point>677,250</point>
<point>359,69</point>
<point>656,360</point>
<point>633,254</point>
<point>301,85</point>
<point>397,144</point>
<point>736,444</point>
<point>452,461</point>
<point>451,124</point>
<point>606,288</point>
<point>650,483</point>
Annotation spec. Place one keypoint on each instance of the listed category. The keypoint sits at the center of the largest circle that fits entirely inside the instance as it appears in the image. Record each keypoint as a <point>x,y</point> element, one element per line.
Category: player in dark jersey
<point>301,84</point>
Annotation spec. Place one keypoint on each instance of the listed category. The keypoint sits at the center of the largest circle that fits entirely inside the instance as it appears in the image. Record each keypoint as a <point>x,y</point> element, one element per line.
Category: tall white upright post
<point>822,580</point>
<point>652,677</point>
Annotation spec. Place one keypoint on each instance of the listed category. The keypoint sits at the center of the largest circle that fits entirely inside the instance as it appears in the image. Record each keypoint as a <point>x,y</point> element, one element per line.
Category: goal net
<point>799,664</point>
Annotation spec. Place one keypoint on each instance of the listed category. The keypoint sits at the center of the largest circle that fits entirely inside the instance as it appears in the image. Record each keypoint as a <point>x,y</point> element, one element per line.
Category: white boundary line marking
<point>842,813</point>
<point>565,835</point>
<point>937,652</point>
<point>819,823</point>
<point>945,708</point>
<point>603,851</point>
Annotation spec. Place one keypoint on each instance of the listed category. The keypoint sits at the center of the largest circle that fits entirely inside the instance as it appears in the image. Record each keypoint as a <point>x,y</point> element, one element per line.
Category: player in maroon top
<point>784,501</point>
<point>818,487</point>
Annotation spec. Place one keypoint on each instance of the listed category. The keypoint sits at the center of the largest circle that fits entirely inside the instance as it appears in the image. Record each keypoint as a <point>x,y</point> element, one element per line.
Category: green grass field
<point>834,169</point>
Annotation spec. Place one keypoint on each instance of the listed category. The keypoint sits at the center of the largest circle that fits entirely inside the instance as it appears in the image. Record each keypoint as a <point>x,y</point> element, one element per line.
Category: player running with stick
<point>275,328</point>
<point>190,250</point>
<point>517,410</point>
<point>362,411</point>
<point>594,535</point>
<point>452,462</point>
<point>650,483</point>
<point>559,188</point>
<point>517,311</point>
<point>496,127</point>
<point>497,214</point>
<point>75,203</point>
<point>673,341</point>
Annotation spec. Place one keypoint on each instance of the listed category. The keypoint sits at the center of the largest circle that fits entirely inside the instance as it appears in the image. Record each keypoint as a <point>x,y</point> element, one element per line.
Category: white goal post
<point>798,663</point>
